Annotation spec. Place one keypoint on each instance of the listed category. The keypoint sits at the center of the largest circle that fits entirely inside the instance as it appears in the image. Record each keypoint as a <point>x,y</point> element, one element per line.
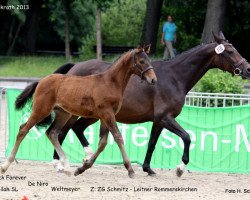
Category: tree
<point>214,19</point>
<point>151,23</point>
<point>72,20</point>
<point>32,25</point>
<point>101,6</point>
<point>17,23</point>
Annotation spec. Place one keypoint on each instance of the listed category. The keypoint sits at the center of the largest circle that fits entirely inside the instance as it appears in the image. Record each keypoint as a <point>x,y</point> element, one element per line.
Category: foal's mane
<point>121,56</point>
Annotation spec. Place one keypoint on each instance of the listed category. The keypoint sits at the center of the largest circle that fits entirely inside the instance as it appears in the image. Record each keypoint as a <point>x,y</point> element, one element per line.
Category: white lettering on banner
<point>71,138</point>
<point>240,130</point>
<point>136,135</point>
<point>123,130</point>
<point>192,138</point>
<point>165,136</point>
<point>140,137</point>
<point>204,134</point>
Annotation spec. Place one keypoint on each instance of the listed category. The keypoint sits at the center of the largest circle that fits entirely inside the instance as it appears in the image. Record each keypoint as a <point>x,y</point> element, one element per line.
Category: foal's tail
<point>28,92</point>
<point>25,96</point>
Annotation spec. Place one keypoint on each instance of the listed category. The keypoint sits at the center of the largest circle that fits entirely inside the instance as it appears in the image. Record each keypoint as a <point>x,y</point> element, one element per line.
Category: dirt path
<point>103,179</point>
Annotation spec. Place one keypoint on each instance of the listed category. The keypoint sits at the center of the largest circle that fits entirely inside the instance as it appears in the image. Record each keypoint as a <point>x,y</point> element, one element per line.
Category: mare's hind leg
<point>24,129</point>
<point>102,144</point>
<point>52,133</point>
<point>78,127</point>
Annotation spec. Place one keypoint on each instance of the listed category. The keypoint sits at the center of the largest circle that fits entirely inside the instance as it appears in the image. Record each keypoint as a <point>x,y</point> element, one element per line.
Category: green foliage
<point>216,81</point>
<point>103,4</point>
<point>82,18</point>
<point>122,23</point>
<point>121,26</point>
<point>19,13</point>
<point>86,51</point>
<point>189,17</point>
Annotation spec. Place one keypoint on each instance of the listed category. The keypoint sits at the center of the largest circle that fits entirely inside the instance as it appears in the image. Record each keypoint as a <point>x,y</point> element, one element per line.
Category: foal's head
<point>228,58</point>
<point>141,64</point>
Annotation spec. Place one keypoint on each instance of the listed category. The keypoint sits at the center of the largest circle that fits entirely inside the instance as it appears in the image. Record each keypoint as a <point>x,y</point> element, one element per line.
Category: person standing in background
<point>168,37</point>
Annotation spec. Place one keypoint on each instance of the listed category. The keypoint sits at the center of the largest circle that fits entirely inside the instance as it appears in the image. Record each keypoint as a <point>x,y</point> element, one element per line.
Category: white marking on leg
<point>88,152</point>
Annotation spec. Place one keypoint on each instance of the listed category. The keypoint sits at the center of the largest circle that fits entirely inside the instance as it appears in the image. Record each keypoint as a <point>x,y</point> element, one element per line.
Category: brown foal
<point>96,96</point>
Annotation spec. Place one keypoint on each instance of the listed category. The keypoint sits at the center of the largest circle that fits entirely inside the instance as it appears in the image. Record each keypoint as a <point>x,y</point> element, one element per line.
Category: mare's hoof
<point>2,170</point>
<point>179,172</point>
<point>151,173</point>
<point>180,169</point>
<point>131,174</point>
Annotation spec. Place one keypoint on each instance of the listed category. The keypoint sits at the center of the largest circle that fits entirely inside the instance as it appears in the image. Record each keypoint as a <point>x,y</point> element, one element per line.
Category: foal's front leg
<point>110,122</point>
<point>102,144</point>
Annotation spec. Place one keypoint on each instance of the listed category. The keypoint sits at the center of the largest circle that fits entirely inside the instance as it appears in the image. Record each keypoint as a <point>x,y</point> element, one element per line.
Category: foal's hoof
<point>67,172</point>
<point>2,170</point>
<point>180,169</point>
<point>78,171</point>
<point>131,174</point>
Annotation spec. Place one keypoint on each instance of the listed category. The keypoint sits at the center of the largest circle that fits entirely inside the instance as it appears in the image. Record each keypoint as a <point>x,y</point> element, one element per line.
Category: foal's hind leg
<point>102,144</point>
<point>24,129</point>
<point>60,120</point>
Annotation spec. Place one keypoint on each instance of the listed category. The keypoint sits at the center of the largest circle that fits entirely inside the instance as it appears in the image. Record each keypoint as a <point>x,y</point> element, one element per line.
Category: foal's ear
<point>147,48</point>
<point>217,38</point>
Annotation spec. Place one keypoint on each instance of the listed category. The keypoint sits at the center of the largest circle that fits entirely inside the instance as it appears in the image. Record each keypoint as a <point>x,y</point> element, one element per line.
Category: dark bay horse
<point>175,80</point>
<point>87,96</point>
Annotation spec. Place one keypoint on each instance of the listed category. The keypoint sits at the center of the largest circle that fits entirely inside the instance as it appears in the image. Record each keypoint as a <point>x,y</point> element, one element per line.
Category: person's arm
<point>162,38</point>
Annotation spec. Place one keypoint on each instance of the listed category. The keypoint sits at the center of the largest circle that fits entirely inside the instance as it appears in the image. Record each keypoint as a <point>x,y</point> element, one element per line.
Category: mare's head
<point>142,65</point>
<point>228,58</point>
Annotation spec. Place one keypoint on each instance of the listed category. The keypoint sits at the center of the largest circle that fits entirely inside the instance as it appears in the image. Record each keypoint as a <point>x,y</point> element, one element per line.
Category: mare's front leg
<point>171,124</point>
<point>102,144</point>
<point>155,133</point>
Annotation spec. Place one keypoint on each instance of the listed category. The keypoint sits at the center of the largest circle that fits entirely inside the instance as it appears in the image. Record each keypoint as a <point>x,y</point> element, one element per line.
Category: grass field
<point>30,66</point>
<point>36,66</point>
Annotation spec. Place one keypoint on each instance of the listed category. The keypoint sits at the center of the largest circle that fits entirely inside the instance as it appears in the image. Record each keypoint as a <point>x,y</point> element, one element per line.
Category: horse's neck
<point>121,71</point>
<point>191,70</point>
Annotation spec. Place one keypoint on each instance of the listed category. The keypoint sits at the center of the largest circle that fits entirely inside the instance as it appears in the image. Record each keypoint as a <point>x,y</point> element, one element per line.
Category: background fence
<point>220,140</point>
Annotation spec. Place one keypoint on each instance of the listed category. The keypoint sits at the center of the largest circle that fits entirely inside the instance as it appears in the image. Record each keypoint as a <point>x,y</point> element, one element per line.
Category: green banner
<point>220,140</point>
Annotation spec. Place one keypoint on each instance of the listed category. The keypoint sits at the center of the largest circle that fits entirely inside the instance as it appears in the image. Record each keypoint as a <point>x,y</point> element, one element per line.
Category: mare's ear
<point>217,38</point>
<point>222,35</point>
<point>147,48</point>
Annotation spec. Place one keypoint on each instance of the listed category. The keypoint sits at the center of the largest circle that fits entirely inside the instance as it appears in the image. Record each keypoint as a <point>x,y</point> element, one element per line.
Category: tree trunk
<point>214,19</point>
<point>12,45</point>
<point>31,25</point>
<point>98,34</point>
<point>67,34</point>
<point>151,23</point>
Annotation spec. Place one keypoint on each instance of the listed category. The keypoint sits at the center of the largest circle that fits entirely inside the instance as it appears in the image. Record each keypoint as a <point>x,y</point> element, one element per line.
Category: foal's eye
<point>142,61</point>
<point>230,52</point>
